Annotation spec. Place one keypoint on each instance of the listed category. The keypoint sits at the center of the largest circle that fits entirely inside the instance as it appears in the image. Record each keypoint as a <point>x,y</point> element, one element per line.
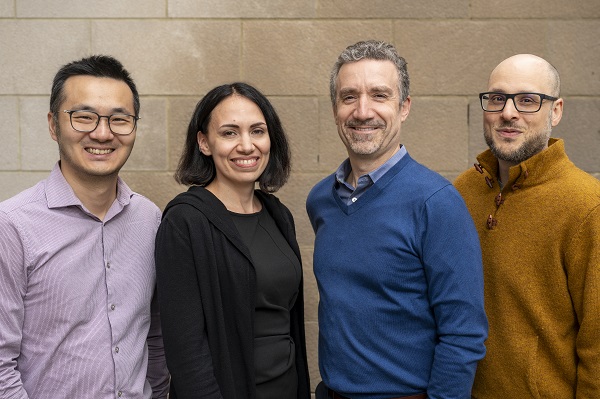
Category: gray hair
<point>371,50</point>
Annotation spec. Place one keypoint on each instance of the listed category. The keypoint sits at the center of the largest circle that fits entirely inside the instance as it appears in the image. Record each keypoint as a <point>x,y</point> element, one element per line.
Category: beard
<point>535,143</point>
<point>364,144</point>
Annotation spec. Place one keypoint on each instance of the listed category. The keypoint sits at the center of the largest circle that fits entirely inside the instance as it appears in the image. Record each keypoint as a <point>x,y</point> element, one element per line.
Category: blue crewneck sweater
<point>401,289</point>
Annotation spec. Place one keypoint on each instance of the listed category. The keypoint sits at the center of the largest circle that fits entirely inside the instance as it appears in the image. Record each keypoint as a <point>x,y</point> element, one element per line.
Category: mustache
<point>510,125</point>
<point>356,123</point>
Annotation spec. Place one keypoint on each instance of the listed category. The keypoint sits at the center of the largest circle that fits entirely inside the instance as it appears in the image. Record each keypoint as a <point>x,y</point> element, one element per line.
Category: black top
<point>278,275</point>
<point>207,292</point>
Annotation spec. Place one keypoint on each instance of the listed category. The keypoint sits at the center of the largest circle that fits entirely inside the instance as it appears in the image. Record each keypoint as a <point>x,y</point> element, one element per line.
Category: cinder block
<point>90,9</point>
<point>177,57</point>
<point>535,9</point>
<point>436,132</point>
<point>160,187</point>
<point>332,151</point>
<point>312,351</point>
<point>38,150</point>
<point>32,51</point>
<point>150,149</point>
<point>181,110</point>
<point>7,9</point>
<point>392,9</point>
<point>311,292</point>
<point>300,116</point>
<point>476,141</point>
<point>454,57</point>
<point>9,133</point>
<point>293,195</point>
<point>574,49</point>
<point>295,57</point>
<point>13,183</point>
<point>241,9</point>
<point>580,128</point>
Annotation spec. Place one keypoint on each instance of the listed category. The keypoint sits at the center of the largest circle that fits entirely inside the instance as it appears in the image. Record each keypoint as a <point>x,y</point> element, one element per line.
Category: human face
<point>98,154</point>
<point>368,113</point>
<point>512,136</point>
<point>238,141</point>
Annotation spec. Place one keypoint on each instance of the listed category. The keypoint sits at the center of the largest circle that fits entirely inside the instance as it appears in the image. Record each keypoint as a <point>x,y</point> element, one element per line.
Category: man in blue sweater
<point>396,257</point>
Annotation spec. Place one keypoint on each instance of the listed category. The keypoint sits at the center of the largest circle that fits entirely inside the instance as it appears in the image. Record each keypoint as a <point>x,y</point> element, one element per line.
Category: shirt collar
<point>343,171</point>
<point>60,194</point>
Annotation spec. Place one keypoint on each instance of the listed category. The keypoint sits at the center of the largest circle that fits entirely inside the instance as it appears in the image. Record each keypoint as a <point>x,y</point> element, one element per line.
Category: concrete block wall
<point>179,49</point>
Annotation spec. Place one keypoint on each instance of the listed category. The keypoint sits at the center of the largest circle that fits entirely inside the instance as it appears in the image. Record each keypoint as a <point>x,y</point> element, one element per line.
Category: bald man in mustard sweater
<point>538,218</point>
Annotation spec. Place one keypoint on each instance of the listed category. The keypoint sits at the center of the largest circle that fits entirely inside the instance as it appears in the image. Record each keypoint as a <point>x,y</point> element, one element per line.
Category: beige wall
<point>179,49</point>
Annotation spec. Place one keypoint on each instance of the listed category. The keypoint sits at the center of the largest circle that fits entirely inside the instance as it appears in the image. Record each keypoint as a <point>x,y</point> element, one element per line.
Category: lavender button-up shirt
<point>77,315</point>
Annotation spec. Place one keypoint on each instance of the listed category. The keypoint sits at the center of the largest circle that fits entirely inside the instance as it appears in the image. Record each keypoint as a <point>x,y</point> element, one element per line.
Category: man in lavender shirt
<point>77,281</point>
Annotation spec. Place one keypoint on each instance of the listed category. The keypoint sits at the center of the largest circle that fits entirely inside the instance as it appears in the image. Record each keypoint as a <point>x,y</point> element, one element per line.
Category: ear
<point>203,144</point>
<point>52,127</point>
<point>405,109</point>
<point>557,111</point>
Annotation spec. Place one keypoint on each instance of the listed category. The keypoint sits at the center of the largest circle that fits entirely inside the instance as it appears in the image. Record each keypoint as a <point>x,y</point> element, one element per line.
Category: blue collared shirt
<point>350,194</point>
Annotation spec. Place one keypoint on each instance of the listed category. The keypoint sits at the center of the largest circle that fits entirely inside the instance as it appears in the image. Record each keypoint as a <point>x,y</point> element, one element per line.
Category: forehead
<point>234,108</point>
<point>96,92</point>
<point>517,77</point>
<point>366,74</point>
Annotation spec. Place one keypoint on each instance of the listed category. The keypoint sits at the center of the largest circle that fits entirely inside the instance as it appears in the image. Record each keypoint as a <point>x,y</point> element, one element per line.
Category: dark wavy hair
<point>99,66</point>
<point>195,168</point>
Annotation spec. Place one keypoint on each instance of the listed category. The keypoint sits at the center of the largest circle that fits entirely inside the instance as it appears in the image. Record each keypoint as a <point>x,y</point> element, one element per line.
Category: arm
<point>158,375</point>
<point>13,283</point>
<point>582,262</point>
<point>453,264</point>
<point>182,317</point>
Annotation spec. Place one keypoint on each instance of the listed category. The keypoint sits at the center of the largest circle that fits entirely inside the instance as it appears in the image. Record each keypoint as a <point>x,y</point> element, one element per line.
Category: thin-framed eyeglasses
<point>524,102</point>
<point>87,121</point>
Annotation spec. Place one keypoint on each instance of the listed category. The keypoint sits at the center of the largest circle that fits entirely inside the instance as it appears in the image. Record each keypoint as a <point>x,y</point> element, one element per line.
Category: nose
<point>510,111</point>
<point>363,108</point>
<point>102,131</point>
<point>246,145</point>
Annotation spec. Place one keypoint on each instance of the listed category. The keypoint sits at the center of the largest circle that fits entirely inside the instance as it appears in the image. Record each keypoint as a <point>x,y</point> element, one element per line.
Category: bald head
<point>527,68</point>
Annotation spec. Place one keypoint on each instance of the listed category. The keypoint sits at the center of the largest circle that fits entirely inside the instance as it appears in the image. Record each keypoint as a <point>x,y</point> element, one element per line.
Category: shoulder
<point>323,187</point>
<point>26,198</point>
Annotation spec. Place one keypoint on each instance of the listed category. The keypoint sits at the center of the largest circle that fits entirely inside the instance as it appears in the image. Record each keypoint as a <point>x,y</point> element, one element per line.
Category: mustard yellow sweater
<point>540,238</point>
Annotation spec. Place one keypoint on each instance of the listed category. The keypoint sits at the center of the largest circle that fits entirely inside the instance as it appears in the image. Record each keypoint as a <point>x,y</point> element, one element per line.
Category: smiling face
<point>98,154</point>
<point>513,136</point>
<point>368,113</point>
<point>238,142</point>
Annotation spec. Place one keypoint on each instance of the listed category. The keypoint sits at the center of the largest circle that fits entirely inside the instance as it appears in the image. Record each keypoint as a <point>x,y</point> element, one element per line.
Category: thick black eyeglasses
<point>87,121</point>
<point>524,102</point>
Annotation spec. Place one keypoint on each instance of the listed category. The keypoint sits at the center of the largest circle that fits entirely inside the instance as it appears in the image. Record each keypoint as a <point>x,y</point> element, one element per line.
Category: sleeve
<point>583,268</point>
<point>13,286</point>
<point>453,265</point>
<point>158,375</point>
<point>182,318</point>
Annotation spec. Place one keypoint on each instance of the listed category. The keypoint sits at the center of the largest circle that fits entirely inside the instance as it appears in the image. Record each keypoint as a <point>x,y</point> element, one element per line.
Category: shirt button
<point>112,307</point>
<point>119,394</point>
<point>108,265</point>
<point>116,349</point>
<point>354,199</point>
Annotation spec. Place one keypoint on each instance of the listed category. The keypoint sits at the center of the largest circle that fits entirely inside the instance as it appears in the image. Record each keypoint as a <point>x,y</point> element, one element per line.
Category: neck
<point>235,198</point>
<point>364,164</point>
<point>503,170</point>
<point>97,194</point>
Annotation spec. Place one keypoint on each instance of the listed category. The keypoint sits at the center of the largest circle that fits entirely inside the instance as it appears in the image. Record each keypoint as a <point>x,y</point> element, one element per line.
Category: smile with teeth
<point>97,151</point>
<point>245,162</point>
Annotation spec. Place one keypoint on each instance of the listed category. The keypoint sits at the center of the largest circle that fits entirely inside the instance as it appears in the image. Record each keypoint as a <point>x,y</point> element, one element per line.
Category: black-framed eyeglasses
<point>524,102</point>
<point>87,121</point>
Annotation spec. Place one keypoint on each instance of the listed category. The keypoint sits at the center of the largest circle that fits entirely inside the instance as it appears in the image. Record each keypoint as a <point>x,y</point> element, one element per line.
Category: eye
<point>229,133</point>
<point>258,131</point>
<point>497,98</point>
<point>381,96</point>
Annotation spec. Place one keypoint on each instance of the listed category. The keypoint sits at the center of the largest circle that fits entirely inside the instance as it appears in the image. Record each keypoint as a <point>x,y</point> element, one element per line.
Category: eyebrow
<point>117,110</point>
<point>373,89</point>
<point>255,124</point>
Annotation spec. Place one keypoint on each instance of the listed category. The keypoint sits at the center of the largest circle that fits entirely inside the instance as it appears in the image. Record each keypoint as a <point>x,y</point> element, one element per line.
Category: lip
<point>246,163</point>
<point>508,132</point>
<point>96,151</point>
